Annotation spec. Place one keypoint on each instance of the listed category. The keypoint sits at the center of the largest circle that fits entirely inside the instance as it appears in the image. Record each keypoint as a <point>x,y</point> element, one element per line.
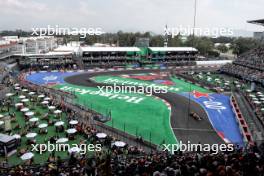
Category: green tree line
<point>205,45</point>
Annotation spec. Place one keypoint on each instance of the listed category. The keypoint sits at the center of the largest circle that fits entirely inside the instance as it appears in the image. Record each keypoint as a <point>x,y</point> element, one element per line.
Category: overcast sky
<point>129,15</point>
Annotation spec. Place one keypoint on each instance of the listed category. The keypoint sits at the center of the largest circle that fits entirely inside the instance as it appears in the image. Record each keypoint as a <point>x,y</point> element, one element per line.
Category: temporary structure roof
<point>110,49</point>
<point>171,49</point>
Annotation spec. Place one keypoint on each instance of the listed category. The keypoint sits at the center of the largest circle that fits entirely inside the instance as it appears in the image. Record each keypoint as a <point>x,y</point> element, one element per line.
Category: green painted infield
<point>180,85</point>
<point>188,87</point>
<point>148,118</point>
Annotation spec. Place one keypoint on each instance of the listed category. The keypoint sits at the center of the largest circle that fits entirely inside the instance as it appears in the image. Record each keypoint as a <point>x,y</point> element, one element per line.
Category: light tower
<point>166,36</point>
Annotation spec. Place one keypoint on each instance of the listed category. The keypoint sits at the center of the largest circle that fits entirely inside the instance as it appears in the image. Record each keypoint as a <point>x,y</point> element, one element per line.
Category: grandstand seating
<point>248,66</point>
<point>130,162</point>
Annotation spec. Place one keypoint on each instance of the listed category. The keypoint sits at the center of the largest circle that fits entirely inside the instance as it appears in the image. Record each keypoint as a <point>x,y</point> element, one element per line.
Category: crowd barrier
<point>98,69</point>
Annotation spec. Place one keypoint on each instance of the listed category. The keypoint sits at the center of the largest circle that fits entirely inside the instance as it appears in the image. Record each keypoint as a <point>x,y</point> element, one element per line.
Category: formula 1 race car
<point>195,116</point>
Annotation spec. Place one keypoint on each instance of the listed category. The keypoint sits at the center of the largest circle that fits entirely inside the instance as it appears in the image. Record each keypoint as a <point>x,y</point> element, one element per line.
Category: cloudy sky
<point>129,15</point>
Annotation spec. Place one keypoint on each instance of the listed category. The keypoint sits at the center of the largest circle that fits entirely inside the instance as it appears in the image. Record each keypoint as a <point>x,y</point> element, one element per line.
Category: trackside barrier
<point>97,69</point>
<point>241,121</point>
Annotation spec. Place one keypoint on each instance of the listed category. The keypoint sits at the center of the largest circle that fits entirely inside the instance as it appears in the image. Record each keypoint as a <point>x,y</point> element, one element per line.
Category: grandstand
<point>42,52</point>
<point>258,22</point>
<point>249,66</point>
<point>109,56</point>
<point>51,60</point>
<point>173,56</point>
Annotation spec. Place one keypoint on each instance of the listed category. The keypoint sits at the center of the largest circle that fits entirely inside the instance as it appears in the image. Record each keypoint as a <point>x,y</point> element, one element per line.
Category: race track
<point>184,127</point>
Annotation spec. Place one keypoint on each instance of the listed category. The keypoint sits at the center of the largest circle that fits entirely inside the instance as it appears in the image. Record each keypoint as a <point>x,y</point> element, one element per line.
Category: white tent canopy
<point>67,48</point>
<point>214,62</point>
<point>171,49</point>
<point>110,49</point>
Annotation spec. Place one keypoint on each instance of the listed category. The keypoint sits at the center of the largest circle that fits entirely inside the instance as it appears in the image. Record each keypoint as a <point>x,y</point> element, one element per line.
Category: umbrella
<point>27,156</point>
<point>33,119</point>
<point>24,109</point>
<point>31,135</point>
<point>51,107</point>
<point>24,90</point>
<point>22,96</point>
<point>44,102</point>
<point>25,100</point>
<point>16,85</point>
<point>74,150</point>
<point>18,104</point>
<point>17,136</point>
<point>59,123</point>
<point>31,93</point>
<point>30,113</point>
<point>62,140</point>
<point>17,88</point>
<point>101,135</point>
<point>43,125</point>
<point>73,122</point>
<point>57,111</point>
<point>209,78</point>
<point>41,96</point>
<point>255,99</point>
<point>252,95</point>
<point>47,98</point>
<point>71,131</point>
<point>9,94</point>
<point>257,102</point>
<point>119,144</point>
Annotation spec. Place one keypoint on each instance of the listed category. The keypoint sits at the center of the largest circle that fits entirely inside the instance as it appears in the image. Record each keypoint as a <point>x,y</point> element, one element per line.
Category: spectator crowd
<point>249,66</point>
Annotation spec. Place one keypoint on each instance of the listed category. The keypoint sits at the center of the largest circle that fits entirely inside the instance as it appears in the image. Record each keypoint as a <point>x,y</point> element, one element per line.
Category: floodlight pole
<point>194,17</point>
<point>190,85</point>
<point>166,36</point>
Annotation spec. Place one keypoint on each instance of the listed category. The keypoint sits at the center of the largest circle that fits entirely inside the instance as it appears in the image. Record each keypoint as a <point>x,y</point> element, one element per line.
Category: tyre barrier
<point>241,122</point>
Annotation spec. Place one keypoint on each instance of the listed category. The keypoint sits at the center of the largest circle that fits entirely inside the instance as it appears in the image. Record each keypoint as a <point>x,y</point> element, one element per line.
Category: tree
<point>223,39</point>
<point>156,40</point>
<point>222,48</point>
<point>203,44</point>
<point>175,41</point>
<point>242,45</point>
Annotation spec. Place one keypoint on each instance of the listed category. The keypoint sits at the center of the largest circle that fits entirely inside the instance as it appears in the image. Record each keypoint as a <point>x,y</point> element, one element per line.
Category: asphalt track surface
<point>184,127</point>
